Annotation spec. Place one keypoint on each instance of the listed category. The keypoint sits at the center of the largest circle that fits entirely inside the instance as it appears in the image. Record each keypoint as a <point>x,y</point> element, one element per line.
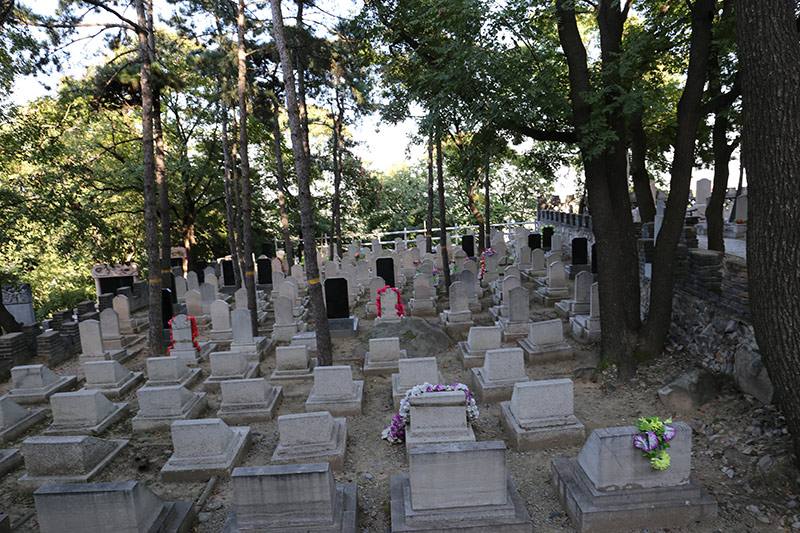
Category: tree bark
<point>230,216</point>
<point>769,62</point>
<point>337,180</point>
<point>247,208</point>
<point>161,167</point>
<point>429,220</point>
<point>155,332</point>
<point>443,241</point>
<point>302,167</point>
<point>473,208</point>
<point>280,176</point>
<point>639,174</point>
<point>487,209</point>
<point>237,196</point>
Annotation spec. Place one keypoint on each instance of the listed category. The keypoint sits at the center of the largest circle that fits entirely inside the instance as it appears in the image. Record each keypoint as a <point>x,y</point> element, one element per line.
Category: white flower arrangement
<point>395,432</point>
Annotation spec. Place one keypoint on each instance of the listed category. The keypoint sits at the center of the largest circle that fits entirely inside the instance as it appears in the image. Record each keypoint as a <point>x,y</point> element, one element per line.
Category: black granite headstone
<point>227,273</point>
<point>337,301</point>
<point>166,307</point>
<point>547,237</point>
<point>201,276</point>
<point>173,292</point>
<point>534,241</point>
<point>594,258</point>
<point>112,284</point>
<point>385,268</point>
<point>468,245</point>
<point>176,261</point>
<point>268,249</point>
<point>264,271</point>
<point>580,251</point>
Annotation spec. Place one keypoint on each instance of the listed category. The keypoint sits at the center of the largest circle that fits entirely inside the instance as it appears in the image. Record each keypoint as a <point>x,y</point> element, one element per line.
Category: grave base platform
<point>120,411</point>
<point>246,413</point>
<point>184,470</point>
<point>191,410</point>
<point>585,328</point>
<point>9,459</point>
<point>120,389</point>
<point>188,380</point>
<point>333,454</point>
<point>33,417</point>
<point>284,332</point>
<point>573,270</point>
<point>512,517</point>
<point>27,482</point>
<point>488,392</point>
<point>338,406</point>
<point>212,383</point>
<point>513,330</point>
<point>343,327</point>
<point>345,518</point>
<point>377,368</point>
<point>438,436</point>
<point>545,353</point>
<point>548,297</point>
<point>593,511</point>
<point>522,439</point>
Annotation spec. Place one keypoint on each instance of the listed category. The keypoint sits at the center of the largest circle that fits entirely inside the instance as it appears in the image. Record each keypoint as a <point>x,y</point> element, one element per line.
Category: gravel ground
<point>741,449</point>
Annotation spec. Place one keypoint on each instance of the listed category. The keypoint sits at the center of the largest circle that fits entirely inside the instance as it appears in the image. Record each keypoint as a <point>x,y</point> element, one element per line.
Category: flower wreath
<point>486,253</point>
<point>401,309</point>
<point>195,333</point>
<point>395,432</point>
<point>653,440</point>
<point>283,268</point>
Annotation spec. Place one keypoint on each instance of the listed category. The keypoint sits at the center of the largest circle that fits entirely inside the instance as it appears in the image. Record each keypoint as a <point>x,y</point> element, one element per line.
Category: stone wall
<point>711,314</point>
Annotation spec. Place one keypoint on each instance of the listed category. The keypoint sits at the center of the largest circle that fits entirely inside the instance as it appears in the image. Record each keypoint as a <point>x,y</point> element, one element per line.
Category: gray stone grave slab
<point>110,378</point>
<point>609,486</point>
<point>36,384</point>
<point>122,507</point>
<point>166,371</point>
<point>335,391</point>
<point>458,317</point>
<point>9,460</point>
<point>480,338</point>
<point>555,288</point>
<point>375,284</point>
<point>16,420</point>
<point>159,407</point>
<point>518,322</point>
<point>545,342</point>
<point>294,369</point>
<point>382,356</point>
<point>442,493</point>
<point>502,369</point>
<point>587,327</point>
<point>311,437</point>
<point>291,497</point>
<point>226,366</point>
<point>437,418</point>
<point>65,459</point>
<point>204,448</point>
<point>92,343</point>
<point>285,324</point>
<point>84,412</point>
<point>422,303</point>
<point>221,330</point>
<point>579,303</point>
<point>248,400</point>
<point>414,371</point>
<point>113,339</point>
<point>540,415</point>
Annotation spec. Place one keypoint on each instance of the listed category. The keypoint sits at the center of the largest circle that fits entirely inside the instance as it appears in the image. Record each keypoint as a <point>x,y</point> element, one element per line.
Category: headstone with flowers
<point>624,479</point>
<point>375,284</point>
<point>389,305</point>
<point>183,334</point>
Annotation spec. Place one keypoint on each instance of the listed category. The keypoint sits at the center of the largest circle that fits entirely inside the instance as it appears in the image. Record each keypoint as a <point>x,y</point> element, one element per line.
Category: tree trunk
<point>473,208</point>
<point>237,198</point>
<point>247,208</point>
<point>8,324</point>
<point>230,216</point>
<point>443,241</point>
<point>301,77</point>
<point>639,174</point>
<point>486,209</point>
<point>769,62</point>
<point>280,176</point>
<point>161,167</point>
<point>303,169</point>
<point>429,220</point>
<point>155,333</point>
<point>688,115</point>
<point>337,180</point>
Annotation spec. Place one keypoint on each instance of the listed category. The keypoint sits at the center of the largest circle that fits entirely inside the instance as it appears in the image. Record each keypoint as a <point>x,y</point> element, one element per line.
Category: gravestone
<point>84,412</point>
<point>375,284</point>
<point>389,312</point>
<point>16,420</point>
<point>335,391</point>
<point>587,327</point>
<point>545,342</point>
<point>227,273</point>
<point>382,356</point>
<point>437,418</point>
<point>479,340</point>
<point>36,384</point>
<point>580,257</point>
<point>253,348</point>
<point>468,245</point>
<point>422,304</point>
<point>248,400</point>
<point>221,330</point>
<point>294,369</point>
<point>540,415</point>
<point>18,300</point>
<point>534,241</point>
<point>183,346</point>
<point>412,372</point>
<point>285,324</point>
<point>227,366</point>
<point>166,371</point>
<point>337,303</point>
<point>65,459</point>
<point>161,406</point>
<point>167,311</point>
<point>441,491</point>
<point>610,486</point>
<point>547,237</point>
<point>192,281</point>
<point>458,317</point>
<point>555,288</point>
<point>291,497</point>
<point>579,303</point>
<point>264,271</point>
<point>110,378</point>
<point>517,324</point>
<point>385,270</point>
<point>311,437</point>
<point>204,448</point>
<point>117,507</point>
<point>180,289</point>
<point>502,369</point>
